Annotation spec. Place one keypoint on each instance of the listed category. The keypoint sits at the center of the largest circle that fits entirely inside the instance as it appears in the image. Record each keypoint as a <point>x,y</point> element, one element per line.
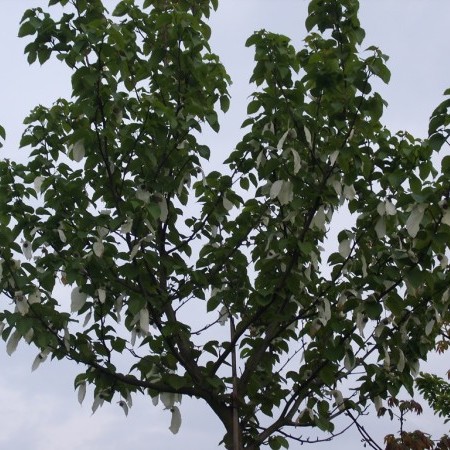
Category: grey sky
<point>40,410</point>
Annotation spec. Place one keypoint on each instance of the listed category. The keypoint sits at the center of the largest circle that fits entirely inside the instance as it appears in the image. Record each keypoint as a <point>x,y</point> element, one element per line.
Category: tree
<point>108,263</point>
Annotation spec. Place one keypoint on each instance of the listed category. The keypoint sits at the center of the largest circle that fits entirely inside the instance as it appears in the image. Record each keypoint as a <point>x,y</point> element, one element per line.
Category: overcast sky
<point>39,411</point>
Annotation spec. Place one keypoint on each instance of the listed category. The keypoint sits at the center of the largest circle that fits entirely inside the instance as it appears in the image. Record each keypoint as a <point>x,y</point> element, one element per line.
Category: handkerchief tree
<point>300,282</point>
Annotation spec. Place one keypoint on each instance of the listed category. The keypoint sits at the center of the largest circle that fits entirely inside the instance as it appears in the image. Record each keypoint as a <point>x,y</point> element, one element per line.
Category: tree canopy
<point>119,252</point>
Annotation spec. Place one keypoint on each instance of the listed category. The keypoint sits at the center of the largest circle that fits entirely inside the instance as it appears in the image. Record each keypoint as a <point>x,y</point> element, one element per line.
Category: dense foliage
<point>119,252</point>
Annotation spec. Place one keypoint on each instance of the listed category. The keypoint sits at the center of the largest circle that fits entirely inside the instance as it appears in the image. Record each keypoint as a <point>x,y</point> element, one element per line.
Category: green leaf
<point>224,103</point>
<point>445,164</point>
<point>436,141</point>
<point>26,29</point>
<point>121,9</point>
<point>395,303</point>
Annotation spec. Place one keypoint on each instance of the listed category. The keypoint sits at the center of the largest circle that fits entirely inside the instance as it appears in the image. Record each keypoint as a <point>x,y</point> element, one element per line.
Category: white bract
<point>78,150</point>
<point>297,161</point>
<point>81,392</point>
<point>12,343</point>
<point>38,183</point>
<point>223,316</point>
<point>124,406</point>
<point>380,227</point>
<point>308,136</point>
<point>164,209</point>
<point>319,219</point>
<point>415,218</point>
<point>281,141</point>
<point>401,360</point>
<point>283,190</point>
<point>127,226</point>
<point>345,248</point>
<point>175,422</point>
<point>339,399</point>
<point>98,248</point>
<point>34,297</point>
<point>349,192</point>
<point>144,320</point>
<point>226,203</point>
<point>26,250</point>
<point>143,195</point>
<point>98,401</point>
<point>78,299</point>
<point>40,358</point>
<point>21,303</point>
<point>101,294</point>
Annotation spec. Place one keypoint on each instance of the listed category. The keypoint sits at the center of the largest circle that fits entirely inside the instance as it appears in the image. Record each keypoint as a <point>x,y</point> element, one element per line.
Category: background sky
<point>39,410</point>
